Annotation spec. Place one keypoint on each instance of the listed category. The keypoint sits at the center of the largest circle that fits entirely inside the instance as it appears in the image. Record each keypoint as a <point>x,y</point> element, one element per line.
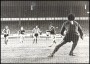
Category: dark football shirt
<point>21,31</point>
<point>52,30</point>
<point>71,28</point>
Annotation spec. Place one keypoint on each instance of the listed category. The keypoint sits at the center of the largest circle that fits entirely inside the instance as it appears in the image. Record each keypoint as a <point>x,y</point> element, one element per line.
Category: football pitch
<point>27,52</point>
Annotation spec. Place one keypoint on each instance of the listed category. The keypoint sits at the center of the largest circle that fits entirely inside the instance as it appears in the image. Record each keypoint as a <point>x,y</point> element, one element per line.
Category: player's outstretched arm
<point>80,31</point>
<point>3,31</point>
<point>62,29</point>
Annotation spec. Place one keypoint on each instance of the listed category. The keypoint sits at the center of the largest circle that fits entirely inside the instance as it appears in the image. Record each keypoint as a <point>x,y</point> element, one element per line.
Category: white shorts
<point>47,33</point>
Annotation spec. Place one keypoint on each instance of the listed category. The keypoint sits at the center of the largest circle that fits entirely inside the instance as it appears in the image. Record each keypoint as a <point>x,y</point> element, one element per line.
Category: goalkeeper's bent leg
<point>58,46</point>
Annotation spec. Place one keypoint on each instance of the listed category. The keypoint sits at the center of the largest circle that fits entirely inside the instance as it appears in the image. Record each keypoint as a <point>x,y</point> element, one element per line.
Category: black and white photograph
<point>44,31</point>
